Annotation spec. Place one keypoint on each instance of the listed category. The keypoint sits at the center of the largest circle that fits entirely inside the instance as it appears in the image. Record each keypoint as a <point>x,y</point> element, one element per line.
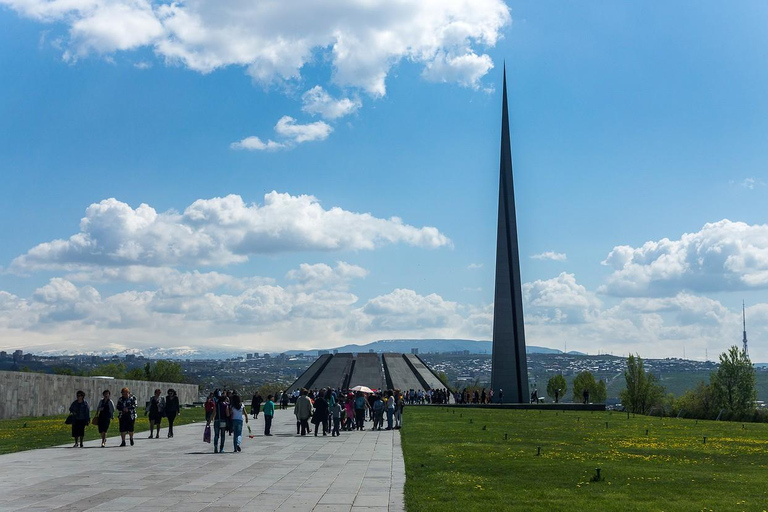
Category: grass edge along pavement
<point>459,459</point>
<point>32,433</point>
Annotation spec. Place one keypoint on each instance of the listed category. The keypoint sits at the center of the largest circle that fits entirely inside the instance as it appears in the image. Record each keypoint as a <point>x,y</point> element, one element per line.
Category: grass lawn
<point>452,464</point>
<point>31,433</point>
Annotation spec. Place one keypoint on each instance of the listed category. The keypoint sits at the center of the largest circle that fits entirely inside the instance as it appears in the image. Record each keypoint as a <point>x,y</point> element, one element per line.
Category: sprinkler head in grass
<point>596,477</point>
<point>705,439</point>
<point>646,431</point>
<point>538,451</point>
<point>505,437</point>
<point>484,427</point>
<point>606,424</point>
<point>470,420</point>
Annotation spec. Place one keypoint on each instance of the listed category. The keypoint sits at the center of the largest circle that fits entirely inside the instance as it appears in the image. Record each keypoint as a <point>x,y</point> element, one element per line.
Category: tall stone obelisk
<point>510,364</point>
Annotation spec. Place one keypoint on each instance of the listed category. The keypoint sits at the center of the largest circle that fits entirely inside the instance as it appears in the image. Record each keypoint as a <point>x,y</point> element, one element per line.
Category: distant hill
<point>430,345</point>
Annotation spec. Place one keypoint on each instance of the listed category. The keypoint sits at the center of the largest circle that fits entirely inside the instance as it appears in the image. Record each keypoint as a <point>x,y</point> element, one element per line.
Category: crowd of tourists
<point>157,408</point>
<point>329,411</point>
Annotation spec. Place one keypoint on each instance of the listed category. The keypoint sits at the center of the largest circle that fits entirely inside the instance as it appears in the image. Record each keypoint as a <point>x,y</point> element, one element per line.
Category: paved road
<point>358,471</point>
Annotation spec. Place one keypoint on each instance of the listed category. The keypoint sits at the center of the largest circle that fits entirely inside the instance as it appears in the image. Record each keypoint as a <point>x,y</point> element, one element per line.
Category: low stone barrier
<point>41,394</point>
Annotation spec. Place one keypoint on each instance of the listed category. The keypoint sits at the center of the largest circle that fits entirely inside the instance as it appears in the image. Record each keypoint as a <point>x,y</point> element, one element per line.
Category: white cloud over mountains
<point>218,231</point>
<point>316,304</point>
<point>316,308</point>
<point>274,39</point>
<point>722,256</point>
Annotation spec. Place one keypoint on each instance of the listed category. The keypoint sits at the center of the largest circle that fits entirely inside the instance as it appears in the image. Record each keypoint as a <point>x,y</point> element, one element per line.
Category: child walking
<point>336,414</point>
<point>269,413</point>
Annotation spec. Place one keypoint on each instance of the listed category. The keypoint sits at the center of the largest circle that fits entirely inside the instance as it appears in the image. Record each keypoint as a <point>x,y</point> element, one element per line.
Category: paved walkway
<point>358,471</point>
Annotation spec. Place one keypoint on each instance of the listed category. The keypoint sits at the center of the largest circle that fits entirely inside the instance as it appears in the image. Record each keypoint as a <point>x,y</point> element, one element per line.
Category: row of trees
<point>557,387</point>
<point>731,392</point>
<point>159,371</point>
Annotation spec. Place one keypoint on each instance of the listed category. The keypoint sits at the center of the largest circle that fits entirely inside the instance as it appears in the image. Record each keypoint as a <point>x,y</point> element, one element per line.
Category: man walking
<point>303,411</point>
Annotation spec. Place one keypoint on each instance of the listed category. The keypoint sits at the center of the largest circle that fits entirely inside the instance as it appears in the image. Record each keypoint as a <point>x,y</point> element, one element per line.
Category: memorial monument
<point>509,371</point>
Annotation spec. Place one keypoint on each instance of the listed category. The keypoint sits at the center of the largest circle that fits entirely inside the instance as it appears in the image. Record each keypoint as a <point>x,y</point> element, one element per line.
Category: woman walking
<point>172,409</point>
<point>237,413</point>
<point>105,411</point>
<point>320,417</point>
<point>81,416</point>
<point>221,413</point>
<point>155,408</point>
<point>126,415</point>
<point>256,405</point>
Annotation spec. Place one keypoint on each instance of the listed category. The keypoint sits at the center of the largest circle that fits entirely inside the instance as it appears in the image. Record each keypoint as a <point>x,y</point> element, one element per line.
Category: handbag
<point>207,434</point>
<point>95,420</point>
<point>70,419</point>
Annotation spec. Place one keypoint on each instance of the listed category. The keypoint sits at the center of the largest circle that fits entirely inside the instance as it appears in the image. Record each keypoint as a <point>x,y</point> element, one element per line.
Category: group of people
<point>421,397</point>
<point>226,411</point>
<point>157,408</point>
<point>334,411</point>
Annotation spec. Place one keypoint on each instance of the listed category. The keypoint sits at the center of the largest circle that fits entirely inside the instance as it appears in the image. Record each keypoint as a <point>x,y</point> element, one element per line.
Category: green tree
<point>601,393</point>
<point>116,370</point>
<point>444,379</point>
<point>272,388</point>
<point>584,380</point>
<point>733,384</point>
<point>65,370</point>
<point>164,371</point>
<point>643,391</point>
<point>698,402</point>
<point>556,387</point>
<point>136,373</point>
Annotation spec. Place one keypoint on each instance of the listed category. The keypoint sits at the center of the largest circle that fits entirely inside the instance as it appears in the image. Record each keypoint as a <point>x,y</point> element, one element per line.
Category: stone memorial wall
<point>40,394</point>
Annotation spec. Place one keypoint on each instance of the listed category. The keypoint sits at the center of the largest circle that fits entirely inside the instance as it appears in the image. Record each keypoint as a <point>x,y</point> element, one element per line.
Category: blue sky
<point>636,130</point>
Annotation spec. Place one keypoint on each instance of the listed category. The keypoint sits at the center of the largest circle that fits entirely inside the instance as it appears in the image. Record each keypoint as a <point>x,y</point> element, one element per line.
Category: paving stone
<point>357,471</point>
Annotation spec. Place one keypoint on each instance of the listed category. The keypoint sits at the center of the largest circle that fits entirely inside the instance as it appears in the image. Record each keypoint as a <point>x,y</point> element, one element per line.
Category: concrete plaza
<point>358,471</point>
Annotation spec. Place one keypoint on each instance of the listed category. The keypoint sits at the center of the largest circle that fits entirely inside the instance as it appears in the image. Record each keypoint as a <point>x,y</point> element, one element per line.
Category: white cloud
<point>316,310</point>
<point>274,39</point>
<point>143,65</point>
<point>474,266</point>
<point>749,183</point>
<point>320,275</point>
<point>218,231</point>
<point>403,310</point>
<point>318,101</point>
<point>289,128</point>
<point>292,133</point>
<point>254,143</point>
<point>466,69</point>
<point>559,300</point>
<point>550,255</point>
<point>721,256</point>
